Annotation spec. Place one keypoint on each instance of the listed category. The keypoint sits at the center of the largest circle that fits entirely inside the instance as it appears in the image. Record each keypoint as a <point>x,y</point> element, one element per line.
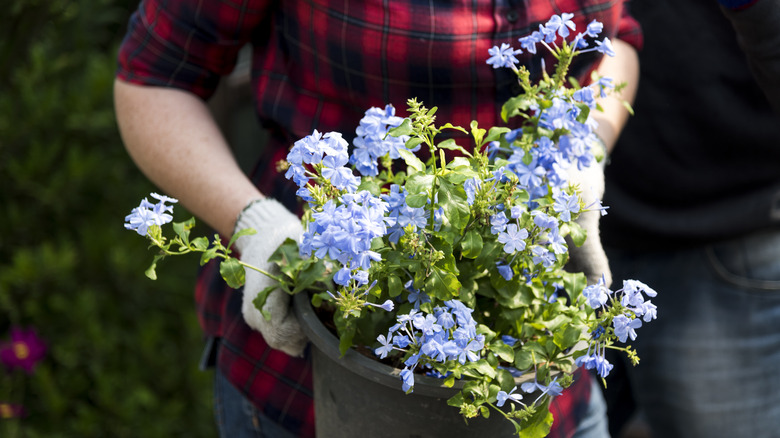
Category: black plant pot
<point>355,396</point>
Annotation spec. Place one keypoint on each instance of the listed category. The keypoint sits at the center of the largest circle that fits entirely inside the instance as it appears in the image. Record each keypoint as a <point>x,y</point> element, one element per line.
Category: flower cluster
<point>449,333</point>
<point>621,314</point>
<point>148,214</point>
<point>372,142</point>
<point>344,231</point>
<point>454,266</point>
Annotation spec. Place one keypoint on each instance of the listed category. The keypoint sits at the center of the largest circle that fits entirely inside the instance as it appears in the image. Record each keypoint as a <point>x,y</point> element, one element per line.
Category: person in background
<point>693,190</point>
<point>317,65</point>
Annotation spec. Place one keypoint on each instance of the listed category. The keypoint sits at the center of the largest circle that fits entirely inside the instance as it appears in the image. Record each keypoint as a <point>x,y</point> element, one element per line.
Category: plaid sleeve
<point>629,29</point>
<point>187,44</point>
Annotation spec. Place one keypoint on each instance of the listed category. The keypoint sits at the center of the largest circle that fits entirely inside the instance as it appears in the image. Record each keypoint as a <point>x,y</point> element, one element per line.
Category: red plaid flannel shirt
<point>320,64</point>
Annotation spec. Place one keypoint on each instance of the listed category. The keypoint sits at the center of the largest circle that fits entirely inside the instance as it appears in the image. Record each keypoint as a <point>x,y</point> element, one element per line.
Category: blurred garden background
<point>121,351</point>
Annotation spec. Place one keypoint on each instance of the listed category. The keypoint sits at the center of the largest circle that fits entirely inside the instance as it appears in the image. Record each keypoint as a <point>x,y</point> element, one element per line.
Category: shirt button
<point>512,16</point>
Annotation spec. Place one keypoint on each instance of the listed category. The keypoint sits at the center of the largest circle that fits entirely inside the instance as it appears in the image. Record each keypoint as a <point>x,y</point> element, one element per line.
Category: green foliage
<point>123,350</point>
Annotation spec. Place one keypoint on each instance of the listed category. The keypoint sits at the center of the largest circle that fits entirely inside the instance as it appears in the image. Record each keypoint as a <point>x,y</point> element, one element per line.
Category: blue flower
<point>426,324</point>
<point>585,95</point>
<point>513,239</point>
<point>604,83</point>
<point>387,346</point>
<point>471,186</point>
<point>595,361</point>
<point>544,221</point>
<point>529,42</point>
<point>503,56</point>
<point>566,204</point>
<point>557,242</point>
<point>341,177</point>
<point>407,376</point>
<point>605,47</point>
<point>596,294</point>
<point>498,223</point>
<point>505,270</point>
<point>417,297</point>
<point>554,389</point>
<point>148,214</point>
<point>625,327</point>
<point>387,306</point>
<point>542,256</point>
<point>594,29</point>
<point>503,396</point>
<point>649,311</point>
<point>343,276</point>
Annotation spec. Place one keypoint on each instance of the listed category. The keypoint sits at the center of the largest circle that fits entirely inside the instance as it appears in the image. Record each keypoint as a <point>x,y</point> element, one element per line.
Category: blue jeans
<point>237,417</point>
<point>710,363</point>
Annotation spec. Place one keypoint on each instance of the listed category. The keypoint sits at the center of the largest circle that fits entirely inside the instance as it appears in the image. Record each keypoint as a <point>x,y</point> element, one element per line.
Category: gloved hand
<point>590,257</point>
<point>273,223</point>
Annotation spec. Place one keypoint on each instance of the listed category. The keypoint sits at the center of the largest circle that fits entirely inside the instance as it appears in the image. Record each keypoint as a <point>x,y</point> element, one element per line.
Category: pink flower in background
<point>24,350</point>
<point>11,410</point>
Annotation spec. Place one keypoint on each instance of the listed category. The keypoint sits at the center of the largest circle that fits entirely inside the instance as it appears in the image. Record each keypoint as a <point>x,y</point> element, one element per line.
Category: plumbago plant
<point>454,265</point>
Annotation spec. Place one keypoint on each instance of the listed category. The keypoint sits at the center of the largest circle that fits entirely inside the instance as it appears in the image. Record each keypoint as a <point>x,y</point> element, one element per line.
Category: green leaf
<point>539,424</point>
<point>494,134</point>
<point>371,185</point>
<point>567,337</point>
<point>451,126</point>
<point>451,145</point>
<point>483,367</point>
<point>523,359</point>
<point>471,245</point>
<point>413,142</point>
<point>394,286</point>
<point>456,400</point>
<point>503,351</point>
<point>442,284</point>
<point>449,382</point>
<point>182,229</point>
<point>419,183</point>
<point>151,271</point>
<point>405,128</point>
<point>477,132</point>
<point>314,272</point>
<point>417,201</point>
<point>345,338</point>
<point>628,107</point>
<point>454,203</point>
<point>574,283</point>
<point>259,301</point>
<point>577,233</point>
<point>232,272</point>
<point>411,160</point>
<point>200,243</point>
<point>244,232</point>
<point>208,255</point>
<point>516,105</point>
<point>505,380</point>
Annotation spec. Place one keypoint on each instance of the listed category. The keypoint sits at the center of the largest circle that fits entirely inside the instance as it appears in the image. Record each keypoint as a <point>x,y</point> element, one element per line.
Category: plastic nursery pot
<point>355,396</point>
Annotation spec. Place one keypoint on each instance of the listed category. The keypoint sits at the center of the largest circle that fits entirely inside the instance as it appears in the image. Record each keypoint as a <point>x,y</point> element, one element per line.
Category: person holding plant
<point>318,65</point>
<point>694,195</point>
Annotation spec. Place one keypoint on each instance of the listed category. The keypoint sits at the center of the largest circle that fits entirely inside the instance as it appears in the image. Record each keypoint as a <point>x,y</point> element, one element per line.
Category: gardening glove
<point>590,257</point>
<point>274,224</point>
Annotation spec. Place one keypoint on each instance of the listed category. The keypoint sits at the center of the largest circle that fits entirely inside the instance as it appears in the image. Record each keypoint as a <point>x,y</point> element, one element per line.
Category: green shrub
<point>122,350</point>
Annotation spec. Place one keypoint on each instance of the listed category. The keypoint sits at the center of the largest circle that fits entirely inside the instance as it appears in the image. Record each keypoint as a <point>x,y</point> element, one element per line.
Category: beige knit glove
<point>274,224</point>
<point>590,257</point>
